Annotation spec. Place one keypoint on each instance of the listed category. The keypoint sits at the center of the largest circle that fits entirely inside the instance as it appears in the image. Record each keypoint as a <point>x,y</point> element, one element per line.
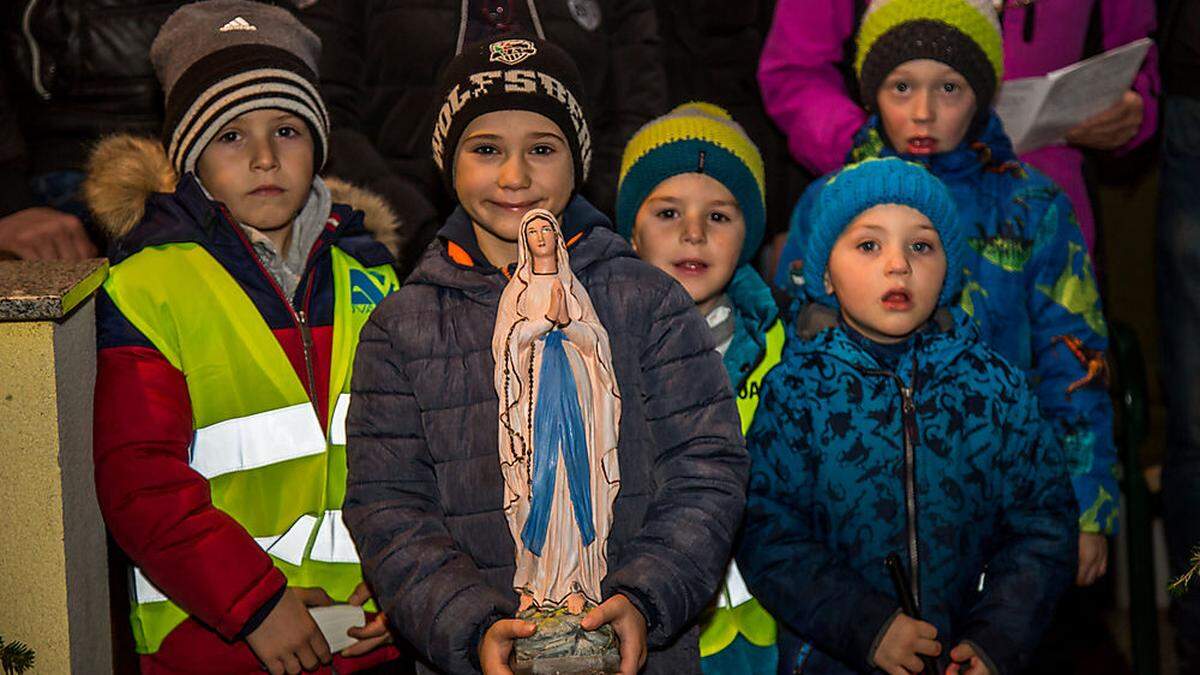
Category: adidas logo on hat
<point>237,23</point>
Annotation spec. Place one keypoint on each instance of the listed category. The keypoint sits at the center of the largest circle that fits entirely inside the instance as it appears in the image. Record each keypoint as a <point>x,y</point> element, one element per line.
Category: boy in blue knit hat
<point>889,427</point>
<point>927,71</point>
<point>690,200</point>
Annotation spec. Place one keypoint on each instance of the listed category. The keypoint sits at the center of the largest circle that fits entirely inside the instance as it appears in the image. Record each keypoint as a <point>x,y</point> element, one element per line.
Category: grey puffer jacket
<point>424,491</point>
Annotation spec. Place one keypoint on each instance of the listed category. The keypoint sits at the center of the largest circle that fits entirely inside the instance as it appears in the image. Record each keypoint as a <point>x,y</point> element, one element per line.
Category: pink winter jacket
<point>805,93</point>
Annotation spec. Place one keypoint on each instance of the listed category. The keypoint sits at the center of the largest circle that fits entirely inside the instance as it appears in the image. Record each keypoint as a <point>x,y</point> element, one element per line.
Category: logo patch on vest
<point>511,52</point>
<point>368,289</point>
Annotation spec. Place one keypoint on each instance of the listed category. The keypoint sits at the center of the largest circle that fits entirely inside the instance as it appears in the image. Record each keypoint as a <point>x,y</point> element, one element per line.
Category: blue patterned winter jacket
<point>1030,289</point>
<point>946,462</point>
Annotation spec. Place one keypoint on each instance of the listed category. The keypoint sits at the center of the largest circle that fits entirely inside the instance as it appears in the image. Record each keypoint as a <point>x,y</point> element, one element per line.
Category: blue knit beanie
<point>859,187</point>
<point>695,137</point>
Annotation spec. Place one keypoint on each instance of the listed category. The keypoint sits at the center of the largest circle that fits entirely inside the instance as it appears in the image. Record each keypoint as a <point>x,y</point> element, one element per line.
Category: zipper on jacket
<point>35,57</point>
<point>908,420</point>
<point>306,340</point>
<point>306,344</point>
<point>907,413</point>
<point>299,318</point>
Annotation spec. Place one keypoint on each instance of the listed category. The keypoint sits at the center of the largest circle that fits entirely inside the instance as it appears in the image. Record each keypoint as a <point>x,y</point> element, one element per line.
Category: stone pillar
<point>53,561</point>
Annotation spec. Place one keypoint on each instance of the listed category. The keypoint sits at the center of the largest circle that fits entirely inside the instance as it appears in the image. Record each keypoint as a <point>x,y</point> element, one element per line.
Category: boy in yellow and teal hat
<point>690,200</point>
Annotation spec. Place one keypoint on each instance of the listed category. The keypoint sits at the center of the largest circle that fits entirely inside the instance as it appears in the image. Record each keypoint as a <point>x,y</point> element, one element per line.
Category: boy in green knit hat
<point>690,200</point>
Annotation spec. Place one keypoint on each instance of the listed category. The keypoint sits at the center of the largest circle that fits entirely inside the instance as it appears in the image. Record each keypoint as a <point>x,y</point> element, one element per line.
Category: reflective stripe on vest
<point>337,423</point>
<point>737,612</point>
<point>332,544</point>
<point>257,439</point>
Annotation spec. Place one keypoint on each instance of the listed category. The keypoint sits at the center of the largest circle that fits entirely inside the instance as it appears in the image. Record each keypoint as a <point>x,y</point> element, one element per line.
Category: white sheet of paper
<point>1018,104</point>
<point>1038,111</point>
<point>335,620</point>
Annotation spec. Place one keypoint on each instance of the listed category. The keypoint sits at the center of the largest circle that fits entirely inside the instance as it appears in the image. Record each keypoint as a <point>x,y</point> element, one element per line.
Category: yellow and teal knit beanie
<point>963,34</point>
<point>694,137</point>
<point>859,187</point>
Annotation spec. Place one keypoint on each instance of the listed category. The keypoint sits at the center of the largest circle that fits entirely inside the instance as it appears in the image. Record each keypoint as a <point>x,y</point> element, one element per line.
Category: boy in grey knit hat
<point>239,283</point>
<point>240,77</point>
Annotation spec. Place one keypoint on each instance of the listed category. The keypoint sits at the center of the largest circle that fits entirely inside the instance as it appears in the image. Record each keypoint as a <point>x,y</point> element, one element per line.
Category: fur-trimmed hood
<point>123,171</point>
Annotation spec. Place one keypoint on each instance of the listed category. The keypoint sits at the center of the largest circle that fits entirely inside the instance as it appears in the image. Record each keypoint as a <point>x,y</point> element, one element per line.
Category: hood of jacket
<point>126,174</point>
<point>453,260</point>
<point>754,312</point>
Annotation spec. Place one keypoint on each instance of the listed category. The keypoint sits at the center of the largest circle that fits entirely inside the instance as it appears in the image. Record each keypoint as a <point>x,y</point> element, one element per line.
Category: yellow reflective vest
<point>257,433</point>
<point>736,612</point>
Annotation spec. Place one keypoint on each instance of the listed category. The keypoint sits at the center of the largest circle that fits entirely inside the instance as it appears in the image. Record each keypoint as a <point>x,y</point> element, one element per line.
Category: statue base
<point>561,647</point>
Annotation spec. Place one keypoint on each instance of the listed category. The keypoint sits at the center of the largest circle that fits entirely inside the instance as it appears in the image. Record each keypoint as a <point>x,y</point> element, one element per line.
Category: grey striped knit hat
<point>222,58</point>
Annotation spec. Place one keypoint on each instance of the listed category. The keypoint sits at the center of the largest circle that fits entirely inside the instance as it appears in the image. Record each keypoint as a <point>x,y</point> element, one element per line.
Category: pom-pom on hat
<point>701,138</point>
<point>963,34</point>
<point>222,58</point>
<point>519,72</point>
<point>859,187</point>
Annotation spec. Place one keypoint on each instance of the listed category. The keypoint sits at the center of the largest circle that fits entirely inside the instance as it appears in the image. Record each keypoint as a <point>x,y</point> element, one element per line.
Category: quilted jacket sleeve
<point>796,577</point>
<point>157,507</point>
<point>802,87</point>
<point>1069,339</point>
<point>1037,561</point>
<point>432,592</point>
<point>672,568</point>
<point>1124,21</point>
<point>14,179</point>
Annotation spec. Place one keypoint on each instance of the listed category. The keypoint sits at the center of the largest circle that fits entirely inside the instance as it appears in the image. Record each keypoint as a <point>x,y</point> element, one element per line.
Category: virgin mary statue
<point>559,412</point>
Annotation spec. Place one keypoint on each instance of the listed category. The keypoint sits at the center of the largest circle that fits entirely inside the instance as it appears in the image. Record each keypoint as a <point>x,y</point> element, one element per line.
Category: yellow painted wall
<point>32,558</point>
<point>53,562</point>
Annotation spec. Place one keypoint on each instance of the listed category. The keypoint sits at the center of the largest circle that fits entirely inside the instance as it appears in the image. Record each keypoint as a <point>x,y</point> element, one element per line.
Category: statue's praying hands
<point>557,313</point>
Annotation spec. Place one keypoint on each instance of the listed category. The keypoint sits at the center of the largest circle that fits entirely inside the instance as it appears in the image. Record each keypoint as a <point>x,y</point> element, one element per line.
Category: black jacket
<point>424,495</point>
<point>70,72</point>
<point>1181,47</point>
<point>380,86</point>
<point>710,49</point>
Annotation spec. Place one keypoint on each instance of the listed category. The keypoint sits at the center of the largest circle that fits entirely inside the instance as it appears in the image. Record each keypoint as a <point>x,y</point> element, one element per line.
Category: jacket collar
<point>818,332</point>
<point>458,238</point>
<point>454,260</point>
<point>754,312</point>
<point>188,216</point>
<point>991,151</point>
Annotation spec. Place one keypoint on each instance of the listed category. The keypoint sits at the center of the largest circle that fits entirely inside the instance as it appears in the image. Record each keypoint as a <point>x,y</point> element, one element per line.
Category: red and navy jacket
<point>156,506</point>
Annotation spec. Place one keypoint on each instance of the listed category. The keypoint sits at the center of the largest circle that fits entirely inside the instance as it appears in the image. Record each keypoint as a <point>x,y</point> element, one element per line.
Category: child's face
<point>260,165</point>
<point>507,163</point>
<point>926,107</point>
<point>691,227</point>
<point>887,270</point>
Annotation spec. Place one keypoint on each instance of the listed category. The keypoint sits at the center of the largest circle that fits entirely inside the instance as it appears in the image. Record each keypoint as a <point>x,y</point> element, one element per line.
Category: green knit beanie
<point>963,34</point>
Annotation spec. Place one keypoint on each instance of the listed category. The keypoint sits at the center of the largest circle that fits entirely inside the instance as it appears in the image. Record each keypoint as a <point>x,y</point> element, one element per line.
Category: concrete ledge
<point>46,291</point>
<point>54,595</point>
